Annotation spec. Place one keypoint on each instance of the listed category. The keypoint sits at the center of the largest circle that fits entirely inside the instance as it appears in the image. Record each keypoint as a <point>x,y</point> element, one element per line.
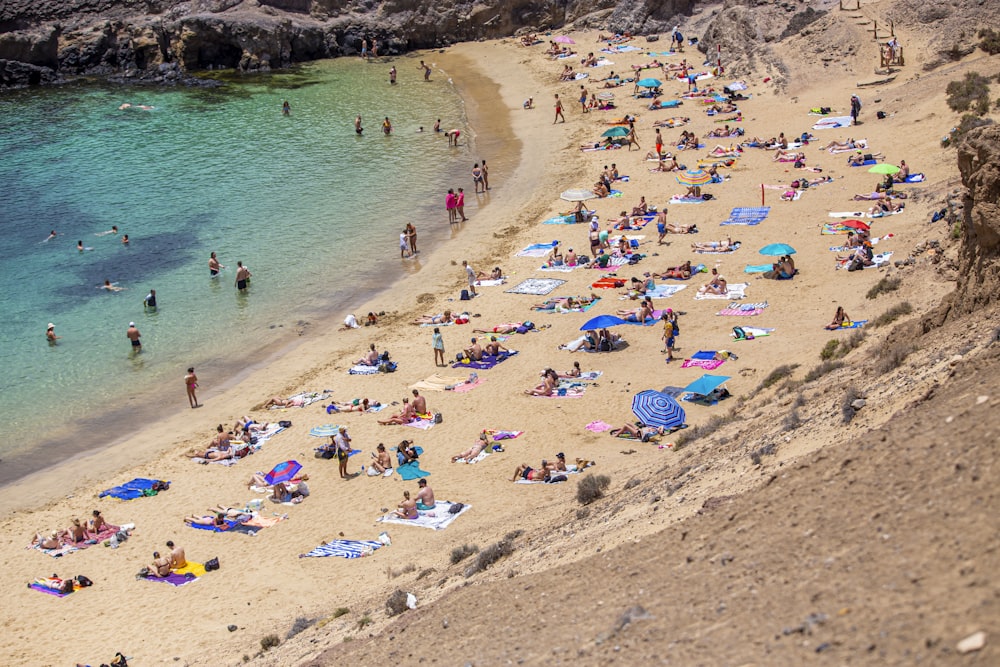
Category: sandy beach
<point>263,586</point>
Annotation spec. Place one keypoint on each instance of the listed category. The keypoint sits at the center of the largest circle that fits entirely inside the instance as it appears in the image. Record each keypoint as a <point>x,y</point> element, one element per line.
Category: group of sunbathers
<point>565,304</point>
<point>78,532</point>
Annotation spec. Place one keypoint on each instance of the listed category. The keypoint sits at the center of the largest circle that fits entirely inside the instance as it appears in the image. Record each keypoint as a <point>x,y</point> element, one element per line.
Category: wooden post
<point>892,29</point>
<point>761,194</point>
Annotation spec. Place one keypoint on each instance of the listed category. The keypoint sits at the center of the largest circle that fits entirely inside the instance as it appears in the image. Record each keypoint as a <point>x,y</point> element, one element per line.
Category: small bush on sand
<point>714,423</point>
<point>893,314</point>
<point>458,554</point>
<point>269,641</point>
<point>884,286</point>
<point>591,488</point>
<point>970,94</point>
<point>990,41</point>
<point>829,350</point>
<point>892,357</point>
<point>762,451</point>
<point>777,375</point>
<point>490,555</point>
<point>827,366</point>
<point>396,604</point>
<point>846,408</point>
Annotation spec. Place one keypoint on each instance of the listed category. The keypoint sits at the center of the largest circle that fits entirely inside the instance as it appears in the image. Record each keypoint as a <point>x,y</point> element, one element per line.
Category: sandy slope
<point>262,587</point>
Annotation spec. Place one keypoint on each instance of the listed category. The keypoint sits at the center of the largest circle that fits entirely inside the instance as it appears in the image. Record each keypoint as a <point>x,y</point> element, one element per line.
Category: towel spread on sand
<point>423,423</point>
<point>739,312</point>
<point>536,250</point>
<point>536,286</point>
<point>439,382</point>
<point>344,549</point>
<point>733,291</point>
<point>878,260</point>
<point>857,324</point>
<point>438,518</point>
<point>756,332</point>
<point>361,369</point>
<point>466,387</point>
<point>476,459</point>
<point>598,426</point>
<point>304,399</point>
<point>733,248</point>
<point>499,435</point>
<point>758,268</point>
<point>40,586</point>
<point>678,199</point>
<point>707,364</point>
<point>411,470</point>
<point>131,490</point>
<point>832,122</point>
<point>489,361</point>
<point>248,524</point>
<point>662,291</point>
<point>574,391</point>
<point>490,283</point>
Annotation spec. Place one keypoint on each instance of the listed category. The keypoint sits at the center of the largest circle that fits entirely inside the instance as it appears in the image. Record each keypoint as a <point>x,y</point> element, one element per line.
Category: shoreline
<point>78,467</point>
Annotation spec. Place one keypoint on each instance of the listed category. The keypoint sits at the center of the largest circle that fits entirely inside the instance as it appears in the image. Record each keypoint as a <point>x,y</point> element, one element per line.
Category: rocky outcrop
<point>642,17</point>
<point>979,255</point>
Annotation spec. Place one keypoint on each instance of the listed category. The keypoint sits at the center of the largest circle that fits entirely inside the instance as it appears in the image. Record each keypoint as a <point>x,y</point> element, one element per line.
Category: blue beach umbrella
<point>324,431</point>
<point>282,472</point>
<point>777,249</point>
<point>617,131</point>
<point>649,83</point>
<point>654,408</point>
<point>706,384</point>
<point>602,322</point>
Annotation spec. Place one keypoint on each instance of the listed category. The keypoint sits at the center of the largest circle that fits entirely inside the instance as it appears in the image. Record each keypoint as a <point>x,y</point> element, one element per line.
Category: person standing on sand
<point>486,176</point>
<point>427,70</point>
<point>374,48</point>
<point>242,277</point>
<point>450,201</point>
<point>50,335</point>
<point>191,383</point>
<point>343,443</point>
<point>470,273</point>
<point>559,111</point>
<point>583,99</point>
<point>133,335</point>
<point>477,178</point>
<point>460,204</point>
<point>437,342</point>
<point>855,108</point>
<point>364,48</point>
<point>213,266</point>
<point>411,233</point>
<point>392,75</point>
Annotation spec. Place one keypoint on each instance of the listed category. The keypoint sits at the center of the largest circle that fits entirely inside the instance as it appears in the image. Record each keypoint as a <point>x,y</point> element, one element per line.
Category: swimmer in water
<point>213,266</point>
<point>437,125</point>
<point>357,125</point>
<point>79,246</point>
<point>125,240</point>
<point>387,126</point>
<point>52,235</point>
<point>113,230</point>
<point>110,286</point>
<point>286,108</point>
<point>50,334</point>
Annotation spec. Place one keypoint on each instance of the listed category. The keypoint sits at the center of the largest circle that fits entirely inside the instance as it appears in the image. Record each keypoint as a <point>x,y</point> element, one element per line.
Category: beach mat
<point>131,490</point>
<point>733,291</point>
<point>489,361</point>
<point>832,122</point>
<point>438,518</point>
<point>536,250</point>
<point>174,578</point>
<point>438,382</point>
<point>732,248</point>
<point>662,291</point>
<point>706,364</point>
<point>758,268</point>
<point>344,549</point>
<point>536,286</point>
<point>410,471</point>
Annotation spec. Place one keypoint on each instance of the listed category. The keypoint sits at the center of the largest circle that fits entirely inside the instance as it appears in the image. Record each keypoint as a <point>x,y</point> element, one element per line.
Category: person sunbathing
<point>841,145</point>
<point>720,132</point>
<point>474,351</point>
<point>778,143</point>
<point>405,416</point>
<point>672,122</point>
<point>495,274</point>
<point>279,402</point>
<point>353,406</point>
<point>668,163</point>
<point>682,272</point>
<point>160,567</point>
<point>788,156</point>
<point>526,472</point>
<point>381,462</point>
<point>877,196</point>
<point>473,451</point>
<point>406,452</point>
<point>218,453</point>
<point>75,533</point>
<point>637,431</point>
<point>717,285</point>
<point>555,257</point>
<point>289,492</point>
<point>407,508</point>
<point>640,314</point>
<point>370,358</point>
<point>724,151</point>
<point>693,192</point>
<point>574,372</point>
<point>600,189</point>
<point>858,159</point>
<point>727,107</point>
<point>547,386</point>
<point>783,269</point>
<point>98,524</point>
<point>840,319</point>
<point>714,246</point>
<point>214,519</point>
<point>441,318</point>
<point>494,348</point>
<point>903,173</point>
<point>885,207</point>
<point>641,208</point>
<point>506,328</point>
<point>653,64</point>
<point>51,541</point>
<point>691,143</point>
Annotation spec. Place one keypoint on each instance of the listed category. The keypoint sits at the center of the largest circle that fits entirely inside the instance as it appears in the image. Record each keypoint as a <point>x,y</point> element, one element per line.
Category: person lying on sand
<point>353,406</point>
<point>506,328</point>
<point>214,519</point>
<point>473,451</point>
<point>877,196</point>
<point>289,492</point>
<point>495,274</point>
<point>844,145</point>
<point>441,318</point>
<point>405,416</point>
<point>884,207</point>
<point>667,163</point>
<point>524,471</point>
<point>224,452</point>
<point>724,151</point>
<point>714,246</point>
<point>640,314</point>
<point>643,432</point>
<point>279,402</point>
<point>859,159</point>
<point>682,272</point>
<point>547,386</point>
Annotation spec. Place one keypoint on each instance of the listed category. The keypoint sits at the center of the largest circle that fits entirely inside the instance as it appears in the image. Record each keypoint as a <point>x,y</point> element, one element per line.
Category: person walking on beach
<point>437,342</point>
<point>486,176</point>
<point>411,233</point>
<point>50,334</point>
<point>242,277</point>
<point>460,204</point>
<point>427,70</point>
<point>364,48</point>
<point>477,178</point>
<point>471,275</point>
<point>392,75</point>
<point>559,111</point>
<point>213,265</point>
<point>450,202</point>
<point>855,108</point>
<point>659,143</point>
<point>133,335</point>
<point>191,383</point>
<point>583,99</point>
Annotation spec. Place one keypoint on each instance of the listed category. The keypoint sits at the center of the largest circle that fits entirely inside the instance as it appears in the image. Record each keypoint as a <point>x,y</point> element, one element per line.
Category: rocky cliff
<point>160,40</point>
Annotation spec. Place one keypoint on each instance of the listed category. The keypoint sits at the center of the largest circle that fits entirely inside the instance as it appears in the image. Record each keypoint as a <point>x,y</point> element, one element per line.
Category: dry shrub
<point>591,488</point>
<point>826,367</point>
<point>490,555</point>
<point>829,351</point>
<point>396,604</point>
<point>893,314</point>
<point>778,374</point>
<point>892,357</point>
<point>269,641</point>
<point>884,286</point>
<point>990,41</point>
<point>458,554</point>
<point>763,450</point>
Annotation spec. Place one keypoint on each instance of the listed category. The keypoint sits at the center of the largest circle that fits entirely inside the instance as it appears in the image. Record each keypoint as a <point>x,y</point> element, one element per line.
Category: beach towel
<point>588,376</point>
<point>536,250</point>
<point>173,579</point>
<point>570,470</point>
<point>756,332</point>
<point>613,263</point>
<point>915,178</point>
<point>758,268</point>
<point>878,260</point>
<point>536,286</point>
<point>832,122</point>
<point>857,324</point>
<point>37,585</point>
<point>598,426</point>
<point>410,471</point>
<point>866,163</point>
<point>574,391</point>
<point>499,435</point>
<point>563,268</point>
<point>737,86</point>
<point>489,361</point>
<point>476,459</point>
<point>568,219</point>
<point>465,387</point>
<point>487,283</point>
<point>56,553</point>
<point>344,549</point>
<point>136,488</point>
<point>739,312</point>
<point>707,364</point>
<point>438,518</point>
<point>362,369</point>
<point>305,398</point>
<point>439,382</point>
<point>424,424</point>
<point>732,248</point>
<point>733,291</point>
<point>662,291</point>
<point>678,199</point>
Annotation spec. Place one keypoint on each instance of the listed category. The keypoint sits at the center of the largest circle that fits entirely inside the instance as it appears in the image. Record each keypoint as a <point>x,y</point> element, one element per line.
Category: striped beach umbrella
<point>282,472</point>
<point>654,408</point>
<point>694,177</point>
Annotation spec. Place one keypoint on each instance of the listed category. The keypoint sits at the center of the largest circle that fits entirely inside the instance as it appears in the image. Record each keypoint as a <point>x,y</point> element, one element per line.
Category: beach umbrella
<point>602,322</point>
<point>324,431</point>
<point>777,249</point>
<point>657,409</point>
<point>649,83</point>
<point>884,168</point>
<point>616,131</point>
<point>856,224</point>
<point>694,177</point>
<point>282,472</point>
<point>577,194</point>
<point>563,39</point>
<point>704,385</point>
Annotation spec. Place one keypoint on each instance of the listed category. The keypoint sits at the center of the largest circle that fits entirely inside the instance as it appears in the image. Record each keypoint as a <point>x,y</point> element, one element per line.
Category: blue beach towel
<point>130,490</point>
<point>704,354</point>
<point>758,268</point>
<point>411,470</point>
<point>915,178</point>
<point>866,163</point>
<point>343,549</point>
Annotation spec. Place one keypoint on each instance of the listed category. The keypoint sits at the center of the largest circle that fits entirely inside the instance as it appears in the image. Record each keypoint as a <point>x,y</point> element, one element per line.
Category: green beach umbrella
<point>617,131</point>
<point>884,168</point>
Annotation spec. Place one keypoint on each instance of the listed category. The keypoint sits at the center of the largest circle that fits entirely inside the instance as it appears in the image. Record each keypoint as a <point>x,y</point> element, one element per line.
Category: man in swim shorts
<point>213,266</point>
<point>242,276</point>
<point>133,335</point>
<point>425,496</point>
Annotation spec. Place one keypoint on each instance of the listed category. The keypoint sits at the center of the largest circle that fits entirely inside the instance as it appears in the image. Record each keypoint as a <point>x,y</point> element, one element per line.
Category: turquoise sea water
<point>313,210</point>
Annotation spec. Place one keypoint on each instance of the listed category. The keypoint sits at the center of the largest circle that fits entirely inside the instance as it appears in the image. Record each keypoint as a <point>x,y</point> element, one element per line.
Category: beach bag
<point>84,581</point>
<point>464,295</point>
<point>739,333</point>
<point>557,478</point>
<point>880,115</point>
<point>212,565</point>
<point>285,423</point>
<point>456,508</point>
<point>324,454</point>
<point>605,345</point>
<point>160,485</point>
<point>438,418</point>
<point>707,196</point>
<point>384,356</point>
<point>119,661</point>
<point>387,367</point>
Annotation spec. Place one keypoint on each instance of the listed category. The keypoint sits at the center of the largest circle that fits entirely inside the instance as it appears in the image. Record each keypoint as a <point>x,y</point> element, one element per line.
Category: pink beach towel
<point>707,364</point>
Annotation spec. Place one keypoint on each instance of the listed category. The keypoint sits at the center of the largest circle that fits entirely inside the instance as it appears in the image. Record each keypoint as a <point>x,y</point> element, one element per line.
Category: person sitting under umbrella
<point>639,431</point>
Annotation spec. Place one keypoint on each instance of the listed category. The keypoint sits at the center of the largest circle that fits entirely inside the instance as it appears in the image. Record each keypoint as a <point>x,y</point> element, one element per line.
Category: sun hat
<point>131,324</point>
<point>51,326</point>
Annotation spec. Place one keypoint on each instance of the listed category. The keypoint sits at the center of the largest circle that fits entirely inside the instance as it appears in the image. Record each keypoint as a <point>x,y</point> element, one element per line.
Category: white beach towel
<point>663,291</point>
<point>438,518</point>
<point>490,283</point>
<point>735,291</point>
<point>832,122</point>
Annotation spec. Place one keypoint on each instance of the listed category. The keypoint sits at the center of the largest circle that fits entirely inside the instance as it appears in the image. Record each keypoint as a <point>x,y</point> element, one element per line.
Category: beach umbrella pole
<point>761,194</point>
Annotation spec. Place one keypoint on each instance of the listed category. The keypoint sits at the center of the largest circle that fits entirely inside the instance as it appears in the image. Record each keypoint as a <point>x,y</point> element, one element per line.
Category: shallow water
<point>312,209</point>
